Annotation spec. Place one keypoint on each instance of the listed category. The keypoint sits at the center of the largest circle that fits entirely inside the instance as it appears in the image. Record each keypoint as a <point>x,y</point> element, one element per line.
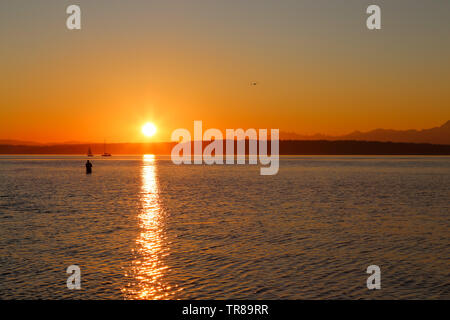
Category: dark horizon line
<point>286,147</point>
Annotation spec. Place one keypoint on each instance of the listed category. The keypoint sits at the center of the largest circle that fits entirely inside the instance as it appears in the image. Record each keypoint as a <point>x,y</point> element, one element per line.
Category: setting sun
<point>149,129</point>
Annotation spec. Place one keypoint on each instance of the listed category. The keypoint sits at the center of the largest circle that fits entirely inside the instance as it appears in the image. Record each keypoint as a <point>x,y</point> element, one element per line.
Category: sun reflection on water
<point>148,269</point>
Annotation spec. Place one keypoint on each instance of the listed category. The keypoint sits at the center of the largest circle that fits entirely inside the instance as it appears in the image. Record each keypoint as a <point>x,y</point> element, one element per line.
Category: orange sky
<point>318,68</point>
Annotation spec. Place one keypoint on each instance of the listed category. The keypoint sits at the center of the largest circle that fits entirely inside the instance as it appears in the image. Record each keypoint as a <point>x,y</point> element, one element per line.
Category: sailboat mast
<point>105,154</point>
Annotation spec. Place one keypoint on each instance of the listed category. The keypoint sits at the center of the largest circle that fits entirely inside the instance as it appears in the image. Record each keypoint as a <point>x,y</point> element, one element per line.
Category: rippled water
<point>143,228</point>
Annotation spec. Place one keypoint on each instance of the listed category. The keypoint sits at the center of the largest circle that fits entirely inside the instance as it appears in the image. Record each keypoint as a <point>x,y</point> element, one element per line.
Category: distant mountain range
<point>437,135</point>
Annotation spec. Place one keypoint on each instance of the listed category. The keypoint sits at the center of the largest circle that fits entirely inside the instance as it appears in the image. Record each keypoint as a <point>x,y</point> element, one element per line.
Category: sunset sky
<point>318,68</point>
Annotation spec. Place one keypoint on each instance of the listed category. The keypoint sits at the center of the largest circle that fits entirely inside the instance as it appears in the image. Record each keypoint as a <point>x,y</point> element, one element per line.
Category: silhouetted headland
<point>287,147</point>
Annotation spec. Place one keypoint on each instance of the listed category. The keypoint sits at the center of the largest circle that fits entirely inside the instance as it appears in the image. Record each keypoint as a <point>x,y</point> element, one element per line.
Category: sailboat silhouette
<point>89,153</point>
<point>105,154</point>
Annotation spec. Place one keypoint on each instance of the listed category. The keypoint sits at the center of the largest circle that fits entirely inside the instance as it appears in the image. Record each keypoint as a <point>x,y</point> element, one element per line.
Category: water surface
<point>143,228</point>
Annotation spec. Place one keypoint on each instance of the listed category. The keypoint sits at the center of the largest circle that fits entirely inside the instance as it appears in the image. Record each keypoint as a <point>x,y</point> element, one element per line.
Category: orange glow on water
<point>148,268</point>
